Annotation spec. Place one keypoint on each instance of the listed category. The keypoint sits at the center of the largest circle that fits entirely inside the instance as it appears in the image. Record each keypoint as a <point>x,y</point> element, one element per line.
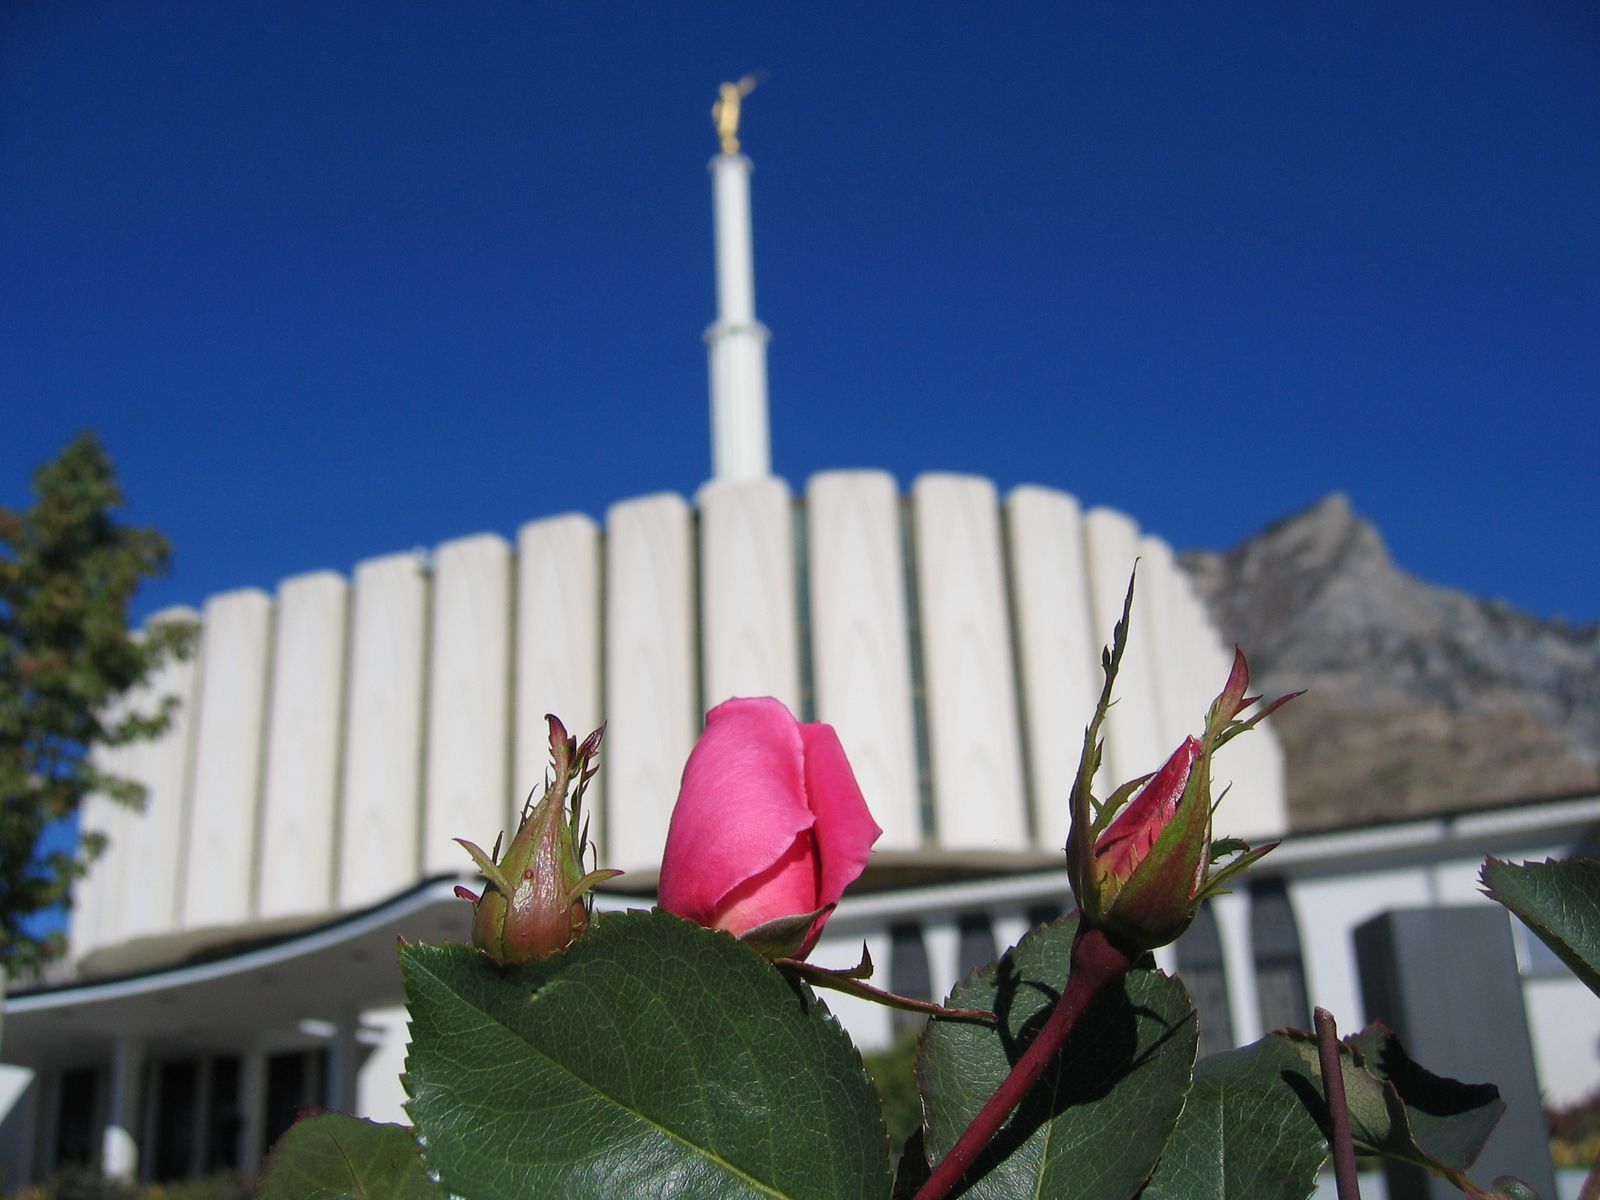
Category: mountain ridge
<point>1421,698</point>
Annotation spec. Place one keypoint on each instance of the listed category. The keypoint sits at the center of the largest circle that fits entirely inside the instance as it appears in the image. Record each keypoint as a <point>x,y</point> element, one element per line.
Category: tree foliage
<point>68,569</point>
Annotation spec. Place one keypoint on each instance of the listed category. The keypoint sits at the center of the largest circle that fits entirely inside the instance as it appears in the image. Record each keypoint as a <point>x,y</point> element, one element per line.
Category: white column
<point>1135,741</point>
<point>749,627</point>
<point>119,1148</point>
<point>299,801</point>
<point>737,342</point>
<point>469,701</point>
<point>1178,693</point>
<point>159,837</point>
<point>379,1093</point>
<point>380,816</point>
<point>968,684</point>
<point>1058,648</point>
<point>344,1063</point>
<point>860,644</point>
<point>218,887</point>
<point>651,695</point>
<point>558,650</point>
<point>1232,913</point>
<point>96,903</point>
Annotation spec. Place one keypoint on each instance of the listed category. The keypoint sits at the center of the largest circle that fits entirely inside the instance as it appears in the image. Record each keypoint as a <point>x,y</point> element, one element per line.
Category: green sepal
<point>1217,884</point>
<point>1156,903</point>
<point>486,865</point>
<point>782,937</point>
<point>592,880</point>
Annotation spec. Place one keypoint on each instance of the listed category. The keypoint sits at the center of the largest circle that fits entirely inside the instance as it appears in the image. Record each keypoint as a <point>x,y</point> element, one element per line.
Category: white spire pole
<point>736,342</point>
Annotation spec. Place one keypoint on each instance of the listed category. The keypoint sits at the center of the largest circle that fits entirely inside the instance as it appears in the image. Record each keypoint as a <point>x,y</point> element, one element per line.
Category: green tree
<point>68,569</point>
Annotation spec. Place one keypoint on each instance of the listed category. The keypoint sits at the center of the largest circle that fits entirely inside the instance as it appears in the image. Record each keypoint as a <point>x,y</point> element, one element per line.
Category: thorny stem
<point>843,981</point>
<point>1344,1150</point>
<point>1095,963</point>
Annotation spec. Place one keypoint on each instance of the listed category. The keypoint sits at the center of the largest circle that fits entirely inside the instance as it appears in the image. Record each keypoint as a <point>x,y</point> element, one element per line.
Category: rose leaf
<point>653,1057</point>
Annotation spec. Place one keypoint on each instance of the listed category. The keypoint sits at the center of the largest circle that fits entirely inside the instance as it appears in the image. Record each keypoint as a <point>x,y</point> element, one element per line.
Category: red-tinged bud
<point>537,898</point>
<point>1141,861</point>
<point>1126,844</point>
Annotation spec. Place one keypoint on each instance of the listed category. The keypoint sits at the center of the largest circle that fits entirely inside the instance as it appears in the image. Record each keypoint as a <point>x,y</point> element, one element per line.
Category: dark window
<point>908,972</point>
<point>226,1117</point>
<point>294,1082</point>
<point>1275,944</point>
<point>975,946</point>
<point>1043,914</point>
<point>178,1097</point>
<point>1199,954</point>
<point>76,1123</point>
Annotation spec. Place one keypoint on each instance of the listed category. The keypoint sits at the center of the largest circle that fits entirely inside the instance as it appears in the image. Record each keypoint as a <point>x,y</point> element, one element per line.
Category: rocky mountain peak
<point>1422,697</point>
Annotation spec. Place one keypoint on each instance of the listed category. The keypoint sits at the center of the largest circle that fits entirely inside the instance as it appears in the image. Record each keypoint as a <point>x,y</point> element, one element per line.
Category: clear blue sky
<point>333,280</point>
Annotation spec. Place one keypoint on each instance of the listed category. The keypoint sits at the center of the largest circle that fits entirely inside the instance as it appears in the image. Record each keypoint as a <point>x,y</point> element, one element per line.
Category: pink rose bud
<point>1141,867</point>
<point>769,829</point>
<point>536,899</point>
<point>1125,844</point>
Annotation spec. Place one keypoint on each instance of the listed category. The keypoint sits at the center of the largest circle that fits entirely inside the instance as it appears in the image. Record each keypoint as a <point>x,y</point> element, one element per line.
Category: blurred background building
<point>232,953</point>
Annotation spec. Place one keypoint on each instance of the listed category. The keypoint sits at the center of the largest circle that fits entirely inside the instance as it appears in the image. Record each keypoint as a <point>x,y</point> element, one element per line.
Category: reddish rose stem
<point>1344,1151</point>
<point>1095,963</point>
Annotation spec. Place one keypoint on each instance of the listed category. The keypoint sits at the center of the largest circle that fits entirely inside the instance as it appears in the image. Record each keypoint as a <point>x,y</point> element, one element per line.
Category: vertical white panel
<point>159,838</point>
<point>380,811</point>
<point>558,649</point>
<point>975,752</point>
<point>860,647</point>
<point>1058,648</point>
<point>96,898</point>
<point>218,878</point>
<point>1180,693</point>
<point>749,626</point>
<point>1134,735</point>
<point>469,699</point>
<point>943,941</point>
<point>299,804</point>
<point>1232,913</point>
<point>651,679</point>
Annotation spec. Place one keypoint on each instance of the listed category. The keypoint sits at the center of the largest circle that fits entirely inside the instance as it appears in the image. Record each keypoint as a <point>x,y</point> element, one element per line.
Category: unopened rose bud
<point>536,899</point>
<point>1141,862</point>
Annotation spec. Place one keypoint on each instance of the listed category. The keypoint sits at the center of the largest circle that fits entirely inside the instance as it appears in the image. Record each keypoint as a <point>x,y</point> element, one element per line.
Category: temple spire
<point>736,341</point>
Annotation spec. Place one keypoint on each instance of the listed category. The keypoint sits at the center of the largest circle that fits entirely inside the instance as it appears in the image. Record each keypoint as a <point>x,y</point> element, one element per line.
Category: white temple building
<point>232,954</point>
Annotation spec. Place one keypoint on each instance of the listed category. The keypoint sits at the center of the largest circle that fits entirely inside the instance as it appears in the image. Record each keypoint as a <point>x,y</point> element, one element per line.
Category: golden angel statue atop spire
<point>725,112</point>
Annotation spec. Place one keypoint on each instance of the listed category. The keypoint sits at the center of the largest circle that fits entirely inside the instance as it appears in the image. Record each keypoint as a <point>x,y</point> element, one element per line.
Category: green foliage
<point>334,1157</point>
<point>652,1058</point>
<point>1245,1131</point>
<point>80,1183</point>
<point>1121,1079</point>
<point>1559,901</point>
<point>68,569</point>
<point>894,1074</point>
<point>1397,1108</point>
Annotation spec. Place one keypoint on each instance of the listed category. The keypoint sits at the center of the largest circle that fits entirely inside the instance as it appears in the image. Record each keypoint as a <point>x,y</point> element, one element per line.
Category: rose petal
<point>845,829</point>
<point>740,808</point>
<point>785,889</point>
<point>1125,844</point>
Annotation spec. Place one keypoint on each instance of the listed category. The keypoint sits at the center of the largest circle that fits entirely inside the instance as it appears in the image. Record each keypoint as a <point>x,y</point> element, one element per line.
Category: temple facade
<point>232,954</point>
